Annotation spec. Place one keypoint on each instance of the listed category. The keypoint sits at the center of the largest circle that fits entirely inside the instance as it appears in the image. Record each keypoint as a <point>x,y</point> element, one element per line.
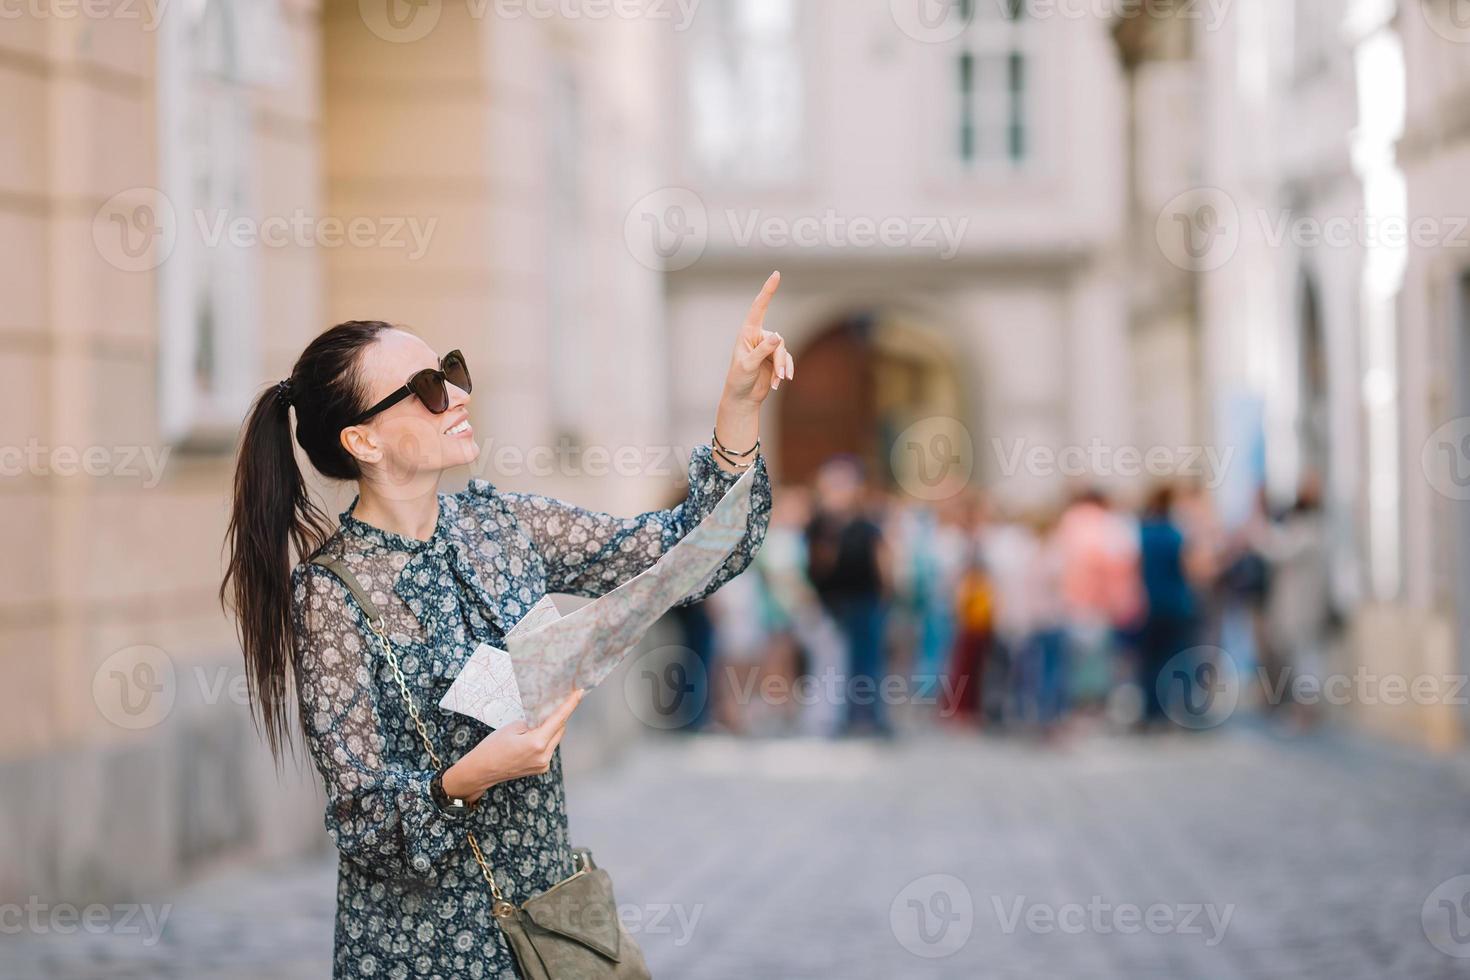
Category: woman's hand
<point>760,362</point>
<point>510,752</point>
<point>757,368</point>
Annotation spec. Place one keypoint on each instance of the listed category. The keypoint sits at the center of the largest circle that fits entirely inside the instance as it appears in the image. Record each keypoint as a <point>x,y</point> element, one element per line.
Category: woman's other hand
<point>510,752</point>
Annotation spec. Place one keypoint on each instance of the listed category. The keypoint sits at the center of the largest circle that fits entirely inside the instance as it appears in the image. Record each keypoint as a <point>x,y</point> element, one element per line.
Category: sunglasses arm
<point>383,405</point>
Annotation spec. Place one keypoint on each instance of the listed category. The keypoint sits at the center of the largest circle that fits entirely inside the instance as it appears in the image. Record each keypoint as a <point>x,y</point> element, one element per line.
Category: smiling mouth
<point>459,429</point>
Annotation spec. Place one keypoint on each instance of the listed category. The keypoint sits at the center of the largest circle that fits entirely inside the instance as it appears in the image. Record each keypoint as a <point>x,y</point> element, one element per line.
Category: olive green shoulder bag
<point>572,930</point>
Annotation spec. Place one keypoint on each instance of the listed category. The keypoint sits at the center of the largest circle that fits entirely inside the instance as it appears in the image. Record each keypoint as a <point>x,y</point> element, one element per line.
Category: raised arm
<point>589,553</point>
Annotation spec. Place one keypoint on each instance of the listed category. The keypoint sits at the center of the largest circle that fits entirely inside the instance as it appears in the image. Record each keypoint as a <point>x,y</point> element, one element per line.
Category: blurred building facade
<point>1434,348</point>
<point>943,190</point>
<point>1319,260</point>
<point>114,602</point>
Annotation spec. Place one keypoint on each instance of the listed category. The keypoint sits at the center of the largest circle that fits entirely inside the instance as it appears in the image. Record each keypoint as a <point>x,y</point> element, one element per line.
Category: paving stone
<point>865,860</point>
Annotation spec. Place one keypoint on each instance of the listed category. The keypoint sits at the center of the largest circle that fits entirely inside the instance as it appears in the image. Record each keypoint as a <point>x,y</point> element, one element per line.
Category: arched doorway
<point>865,378</point>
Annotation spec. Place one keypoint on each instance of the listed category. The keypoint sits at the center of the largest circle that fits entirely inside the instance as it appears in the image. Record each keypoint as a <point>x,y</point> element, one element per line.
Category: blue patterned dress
<point>410,898</point>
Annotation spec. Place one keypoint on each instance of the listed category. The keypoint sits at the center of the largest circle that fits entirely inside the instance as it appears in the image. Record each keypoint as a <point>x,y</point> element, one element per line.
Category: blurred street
<point>1252,857</point>
<point>1111,616</point>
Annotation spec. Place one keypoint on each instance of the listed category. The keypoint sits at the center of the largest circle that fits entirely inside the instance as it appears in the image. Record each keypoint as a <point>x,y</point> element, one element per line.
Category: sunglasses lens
<point>429,387</point>
<point>457,371</point>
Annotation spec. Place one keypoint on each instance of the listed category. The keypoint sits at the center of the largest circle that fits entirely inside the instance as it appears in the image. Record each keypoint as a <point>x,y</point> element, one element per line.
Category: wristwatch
<point>451,805</point>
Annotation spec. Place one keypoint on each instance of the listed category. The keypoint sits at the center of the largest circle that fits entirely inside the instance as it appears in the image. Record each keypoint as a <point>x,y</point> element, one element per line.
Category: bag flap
<point>583,909</point>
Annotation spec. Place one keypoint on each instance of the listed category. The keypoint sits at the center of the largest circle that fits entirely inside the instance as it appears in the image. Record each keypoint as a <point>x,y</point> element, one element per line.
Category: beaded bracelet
<point>726,449</point>
<point>737,460</point>
<point>742,467</point>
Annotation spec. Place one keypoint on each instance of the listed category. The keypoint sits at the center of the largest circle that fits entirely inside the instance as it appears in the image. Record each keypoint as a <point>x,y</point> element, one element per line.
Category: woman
<point>449,572</point>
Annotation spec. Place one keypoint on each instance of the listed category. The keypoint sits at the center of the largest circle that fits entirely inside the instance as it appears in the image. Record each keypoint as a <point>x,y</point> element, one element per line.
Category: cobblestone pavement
<point>1213,856</point>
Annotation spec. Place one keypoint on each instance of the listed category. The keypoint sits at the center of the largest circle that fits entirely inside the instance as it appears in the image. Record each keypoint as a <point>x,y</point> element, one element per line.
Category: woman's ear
<point>361,444</point>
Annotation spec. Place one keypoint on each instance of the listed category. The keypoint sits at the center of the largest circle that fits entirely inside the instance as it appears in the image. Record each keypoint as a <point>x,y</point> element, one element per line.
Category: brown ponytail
<point>273,511</point>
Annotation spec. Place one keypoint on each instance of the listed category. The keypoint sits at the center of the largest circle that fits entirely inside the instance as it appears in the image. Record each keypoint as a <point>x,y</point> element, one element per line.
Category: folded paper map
<point>549,656</point>
<point>486,685</point>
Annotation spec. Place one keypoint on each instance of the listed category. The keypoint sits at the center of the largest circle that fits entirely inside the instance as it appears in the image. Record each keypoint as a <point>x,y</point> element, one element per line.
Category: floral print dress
<point>411,901</point>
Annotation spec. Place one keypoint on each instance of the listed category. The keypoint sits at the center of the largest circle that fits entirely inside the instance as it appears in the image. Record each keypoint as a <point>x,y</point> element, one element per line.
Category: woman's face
<point>407,441</point>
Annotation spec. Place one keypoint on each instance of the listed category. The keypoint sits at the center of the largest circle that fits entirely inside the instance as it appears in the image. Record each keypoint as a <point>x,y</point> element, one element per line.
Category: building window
<point>746,92</point>
<point>991,79</point>
<point>210,54</point>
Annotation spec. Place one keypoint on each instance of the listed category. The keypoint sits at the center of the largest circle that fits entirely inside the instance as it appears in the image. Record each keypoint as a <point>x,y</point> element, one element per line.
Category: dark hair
<point>272,509</point>
<point>1160,502</point>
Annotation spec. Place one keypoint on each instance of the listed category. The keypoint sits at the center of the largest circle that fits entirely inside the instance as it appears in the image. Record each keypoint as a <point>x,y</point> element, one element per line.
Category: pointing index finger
<point>755,321</point>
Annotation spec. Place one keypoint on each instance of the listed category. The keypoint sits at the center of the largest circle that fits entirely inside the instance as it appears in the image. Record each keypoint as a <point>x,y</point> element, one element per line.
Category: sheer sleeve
<point>379,815</point>
<point>588,553</point>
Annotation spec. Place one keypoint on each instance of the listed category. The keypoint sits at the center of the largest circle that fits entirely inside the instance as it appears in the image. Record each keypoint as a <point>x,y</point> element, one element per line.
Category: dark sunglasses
<point>429,386</point>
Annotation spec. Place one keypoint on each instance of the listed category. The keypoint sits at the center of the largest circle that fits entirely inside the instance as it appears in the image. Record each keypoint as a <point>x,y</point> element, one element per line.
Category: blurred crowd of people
<point>868,610</point>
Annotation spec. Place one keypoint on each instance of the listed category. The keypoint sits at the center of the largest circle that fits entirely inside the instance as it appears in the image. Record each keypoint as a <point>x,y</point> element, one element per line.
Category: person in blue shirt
<point>1170,624</point>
